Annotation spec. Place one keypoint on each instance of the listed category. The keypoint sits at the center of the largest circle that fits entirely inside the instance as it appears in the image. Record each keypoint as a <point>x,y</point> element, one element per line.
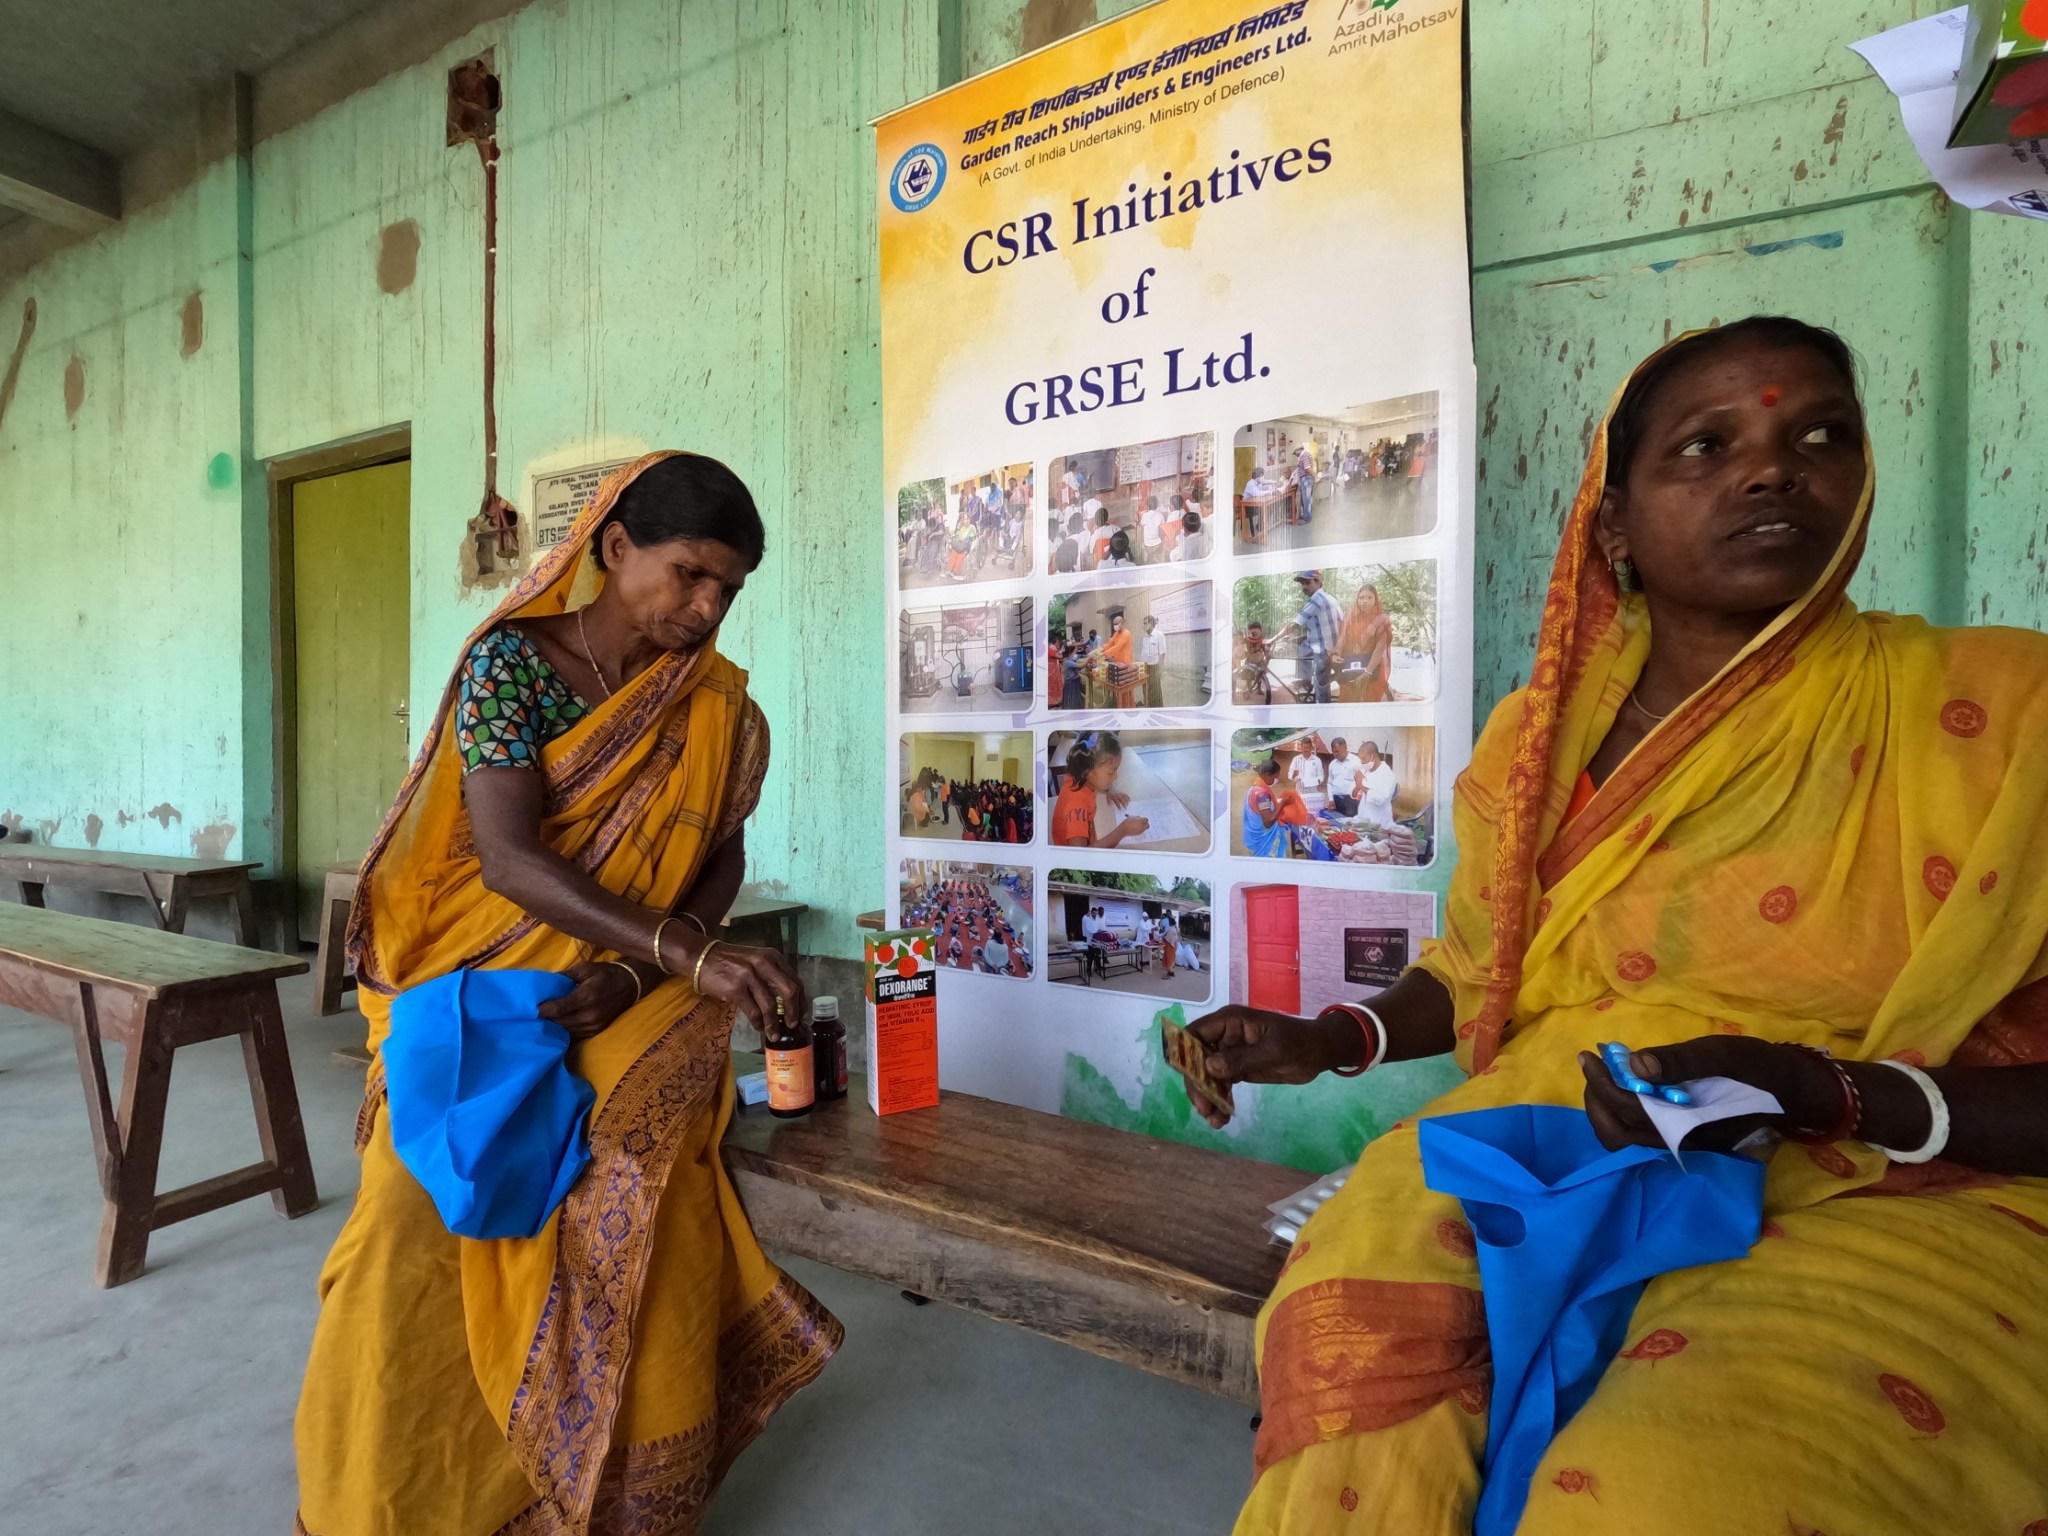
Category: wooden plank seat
<point>1144,1251</point>
<point>153,992</point>
<point>169,885</point>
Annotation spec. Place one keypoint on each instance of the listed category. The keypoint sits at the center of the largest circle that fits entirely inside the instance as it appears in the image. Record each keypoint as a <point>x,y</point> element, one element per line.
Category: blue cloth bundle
<point>484,1109</point>
<point>1568,1236</point>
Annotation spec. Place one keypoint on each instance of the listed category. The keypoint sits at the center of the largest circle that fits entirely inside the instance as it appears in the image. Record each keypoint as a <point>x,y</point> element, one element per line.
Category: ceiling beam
<point>57,179</point>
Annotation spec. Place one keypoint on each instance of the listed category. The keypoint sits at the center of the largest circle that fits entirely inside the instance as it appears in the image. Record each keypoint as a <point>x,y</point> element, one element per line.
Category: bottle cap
<point>824,1008</point>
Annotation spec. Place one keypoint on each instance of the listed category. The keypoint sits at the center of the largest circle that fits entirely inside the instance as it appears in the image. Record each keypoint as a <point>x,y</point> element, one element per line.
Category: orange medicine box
<point>903,1021</point>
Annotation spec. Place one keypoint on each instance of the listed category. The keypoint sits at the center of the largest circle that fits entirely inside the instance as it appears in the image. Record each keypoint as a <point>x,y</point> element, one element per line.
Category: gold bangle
<point>702,955</point>
<point>660,964</point>
<point>691,917</point>
<point>639,990</point>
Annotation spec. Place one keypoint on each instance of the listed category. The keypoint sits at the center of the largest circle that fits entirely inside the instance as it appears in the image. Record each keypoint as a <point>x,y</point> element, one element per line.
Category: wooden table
<point>780,922</point>
<point>169,885</point>
<point>153,992</point>
<point>874,922</point>
<point>1246,505</point>
<point>1145,1251</point>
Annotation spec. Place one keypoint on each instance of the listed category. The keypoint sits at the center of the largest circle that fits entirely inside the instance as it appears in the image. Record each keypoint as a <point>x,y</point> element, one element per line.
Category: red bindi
<point>1771,396</point>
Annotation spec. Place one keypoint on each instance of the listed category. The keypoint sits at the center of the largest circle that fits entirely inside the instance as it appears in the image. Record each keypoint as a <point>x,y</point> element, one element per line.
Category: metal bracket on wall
<point>475,97</point>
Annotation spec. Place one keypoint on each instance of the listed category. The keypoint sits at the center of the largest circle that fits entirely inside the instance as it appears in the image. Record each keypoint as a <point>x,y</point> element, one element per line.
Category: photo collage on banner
<point>1178,405</point>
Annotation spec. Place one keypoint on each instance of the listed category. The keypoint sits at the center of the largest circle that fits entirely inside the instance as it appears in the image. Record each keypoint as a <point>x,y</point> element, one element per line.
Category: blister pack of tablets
<point>1291,1214</point>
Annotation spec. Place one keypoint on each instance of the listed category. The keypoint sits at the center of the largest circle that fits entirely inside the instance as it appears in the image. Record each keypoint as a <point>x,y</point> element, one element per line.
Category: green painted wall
<point>686,257</point>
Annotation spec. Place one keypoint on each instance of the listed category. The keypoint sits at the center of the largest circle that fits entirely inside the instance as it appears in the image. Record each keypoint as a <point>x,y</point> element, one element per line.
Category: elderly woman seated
<point>1755,834</point>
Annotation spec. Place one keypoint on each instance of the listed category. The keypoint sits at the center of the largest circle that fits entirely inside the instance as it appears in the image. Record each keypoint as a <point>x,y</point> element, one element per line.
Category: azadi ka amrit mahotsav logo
<point>917,177</point>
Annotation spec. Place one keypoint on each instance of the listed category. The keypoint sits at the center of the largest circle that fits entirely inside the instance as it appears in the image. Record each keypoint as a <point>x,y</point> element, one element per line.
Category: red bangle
<point>1852,1104</point>
<point>1375,1038</point>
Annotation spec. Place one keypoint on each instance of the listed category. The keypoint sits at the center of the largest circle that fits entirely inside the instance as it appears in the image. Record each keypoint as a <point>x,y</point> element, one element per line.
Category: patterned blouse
<point>510,703</point>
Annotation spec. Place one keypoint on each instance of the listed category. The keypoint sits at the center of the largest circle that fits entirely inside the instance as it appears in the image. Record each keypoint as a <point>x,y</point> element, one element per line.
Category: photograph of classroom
<point>1298,949</point>
<point>1366,473</point>
<point>1340,794</point>
<point>1129,648</point>
<point>971,787</point>
<point>964,659</point>
<point>1128,933</point>
<point>977,529</point>
<point>1145,790</point>
<point>979,914</point>
<point>1142,504</point>
<point>1355,634</point>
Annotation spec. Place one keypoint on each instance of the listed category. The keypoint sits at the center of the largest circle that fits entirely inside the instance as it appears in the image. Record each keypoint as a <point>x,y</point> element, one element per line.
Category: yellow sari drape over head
<point>1842,840</point>
<point>601,1376</point>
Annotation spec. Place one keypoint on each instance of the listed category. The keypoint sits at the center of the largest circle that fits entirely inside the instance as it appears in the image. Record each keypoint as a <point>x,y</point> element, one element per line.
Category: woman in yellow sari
<point>576,807</point>
<point>1729,816</point>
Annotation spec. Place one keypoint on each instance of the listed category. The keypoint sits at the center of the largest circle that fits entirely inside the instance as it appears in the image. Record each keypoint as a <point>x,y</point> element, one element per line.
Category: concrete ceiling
<point>85,84</point>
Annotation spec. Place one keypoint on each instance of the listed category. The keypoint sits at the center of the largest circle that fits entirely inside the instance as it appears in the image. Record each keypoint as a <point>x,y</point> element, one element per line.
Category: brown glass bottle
<point>792,1077</point>
<point>828,1048</point>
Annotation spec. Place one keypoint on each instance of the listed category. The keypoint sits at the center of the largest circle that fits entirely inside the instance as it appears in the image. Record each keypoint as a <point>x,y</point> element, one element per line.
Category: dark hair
<point>1119,546</point>
<point>1192,522</point>
<point>1088,752</point>
<point>690,496</point>
<point>1066,557</point>
<point>1625,431</point>
<point>1267,767</point>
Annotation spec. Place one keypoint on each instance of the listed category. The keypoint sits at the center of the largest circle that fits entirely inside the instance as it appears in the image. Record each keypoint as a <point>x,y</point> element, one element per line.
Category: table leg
<point>330,963</point>
<point>131,1207</point>
<point>99,1100</point>
<point>244,897</point>
<point>279,1126</point>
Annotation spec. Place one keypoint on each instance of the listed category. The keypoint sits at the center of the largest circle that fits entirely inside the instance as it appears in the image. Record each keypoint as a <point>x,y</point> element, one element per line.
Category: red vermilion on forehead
<point>1771,395</point>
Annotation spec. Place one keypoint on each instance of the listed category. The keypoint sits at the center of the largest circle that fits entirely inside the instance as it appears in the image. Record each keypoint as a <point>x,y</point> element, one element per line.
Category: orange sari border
<point>1344,1356</point>
<point>663,1487</point>
<point>569,1392</point>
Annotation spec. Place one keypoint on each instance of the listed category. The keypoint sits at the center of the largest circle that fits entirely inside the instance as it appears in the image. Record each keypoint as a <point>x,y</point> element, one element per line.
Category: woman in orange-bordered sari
<point>1366,635</point>
<point>1730,816</point>
<point>577,806</point>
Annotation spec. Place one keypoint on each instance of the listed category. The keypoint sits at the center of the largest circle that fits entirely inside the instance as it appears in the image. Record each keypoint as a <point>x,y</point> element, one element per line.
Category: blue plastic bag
<point>484,1109</point>
<point>1568,1236</point>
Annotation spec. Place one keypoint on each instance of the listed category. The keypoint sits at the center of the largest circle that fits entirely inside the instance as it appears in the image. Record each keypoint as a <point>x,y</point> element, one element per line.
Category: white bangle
<point>1379,1052</point>
<point>1937,1113</point>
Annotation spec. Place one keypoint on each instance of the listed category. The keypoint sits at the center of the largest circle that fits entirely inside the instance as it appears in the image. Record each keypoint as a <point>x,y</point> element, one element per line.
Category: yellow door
<point>352,628</point>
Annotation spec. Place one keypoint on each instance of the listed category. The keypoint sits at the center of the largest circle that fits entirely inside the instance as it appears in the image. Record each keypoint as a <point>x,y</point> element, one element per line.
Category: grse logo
<point>917,177</point>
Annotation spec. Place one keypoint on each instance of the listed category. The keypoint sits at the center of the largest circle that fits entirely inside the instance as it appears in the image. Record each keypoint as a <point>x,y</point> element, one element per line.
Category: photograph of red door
<point>1272,947</point>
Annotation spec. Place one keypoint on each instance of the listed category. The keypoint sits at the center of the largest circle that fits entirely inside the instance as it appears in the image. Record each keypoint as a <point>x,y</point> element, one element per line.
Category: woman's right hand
<point>1253,1045</point>
<point>750,979</point>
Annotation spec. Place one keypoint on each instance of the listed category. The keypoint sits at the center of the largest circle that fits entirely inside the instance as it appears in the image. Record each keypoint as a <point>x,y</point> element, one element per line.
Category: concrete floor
<point>165,1405</point>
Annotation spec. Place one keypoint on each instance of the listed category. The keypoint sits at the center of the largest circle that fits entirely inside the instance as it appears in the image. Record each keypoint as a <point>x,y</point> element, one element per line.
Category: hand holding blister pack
<point>1679,1109</point>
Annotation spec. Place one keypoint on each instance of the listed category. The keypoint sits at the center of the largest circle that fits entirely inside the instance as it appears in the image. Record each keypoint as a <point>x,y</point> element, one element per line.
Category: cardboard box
<point>903,1021</point>
<point>2002,88</point>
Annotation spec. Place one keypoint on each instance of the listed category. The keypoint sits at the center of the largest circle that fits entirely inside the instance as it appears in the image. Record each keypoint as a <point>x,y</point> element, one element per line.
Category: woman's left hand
<point>603,991</point>
<point>1803,1087</point>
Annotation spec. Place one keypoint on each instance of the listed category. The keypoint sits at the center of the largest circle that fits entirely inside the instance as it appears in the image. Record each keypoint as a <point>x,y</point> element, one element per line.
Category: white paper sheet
<point>1713,1098</point>
<point>1918,64</point>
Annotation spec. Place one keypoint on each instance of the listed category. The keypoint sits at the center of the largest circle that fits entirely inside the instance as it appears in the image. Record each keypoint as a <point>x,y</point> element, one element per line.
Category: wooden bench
<point>169,885</point>
<point>1144,1251</point>
<point>330,964</point>
<point>153,992</point>
<point>760,919</point>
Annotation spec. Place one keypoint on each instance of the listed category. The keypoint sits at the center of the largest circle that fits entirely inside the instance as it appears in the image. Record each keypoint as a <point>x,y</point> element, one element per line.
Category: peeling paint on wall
<point>398,255</point>
<point>212,840</point>
<point>163,815</point>
<point>93,827</point>
<point>74,386</point>
<point>191,324</point>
